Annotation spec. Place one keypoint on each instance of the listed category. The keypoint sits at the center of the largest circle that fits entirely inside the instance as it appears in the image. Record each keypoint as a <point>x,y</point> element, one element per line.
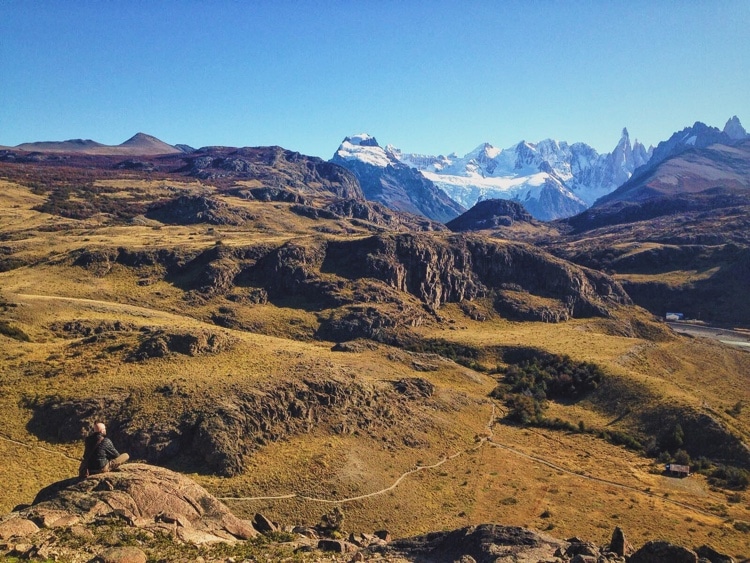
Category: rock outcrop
<point>491,213</point>
<point>219,432</point>
<point>422,269</point>
<point>272,167</point>
<point>189,210</point>
<point>485,543</point>
<point>144,496</point>
<point>659,551</point>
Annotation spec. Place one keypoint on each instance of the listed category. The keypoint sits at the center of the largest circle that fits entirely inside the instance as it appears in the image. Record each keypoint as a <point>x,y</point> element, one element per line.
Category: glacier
<point>552,179</point>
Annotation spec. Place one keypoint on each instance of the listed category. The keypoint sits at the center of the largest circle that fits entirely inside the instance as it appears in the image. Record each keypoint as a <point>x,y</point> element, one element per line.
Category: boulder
<point>126,554</point>
<point>618,544</point>
<point>143,496</point>
<point>587,549</point>
<point>485,543</point>
<point>264,525</point>
<point>661,551</point>
<point>707,552</point>
<point>336,546</point>
<point>15,527</point>
<point>384,535</point>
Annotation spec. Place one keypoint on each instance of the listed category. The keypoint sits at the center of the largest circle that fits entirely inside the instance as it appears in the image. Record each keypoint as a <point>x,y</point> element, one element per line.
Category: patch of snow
<point>374,156</point>
<point>359,139</point>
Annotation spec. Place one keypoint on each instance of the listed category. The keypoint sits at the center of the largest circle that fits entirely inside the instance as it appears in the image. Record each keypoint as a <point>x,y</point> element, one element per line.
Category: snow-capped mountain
<point>551,179</point>
<point>384,178</point>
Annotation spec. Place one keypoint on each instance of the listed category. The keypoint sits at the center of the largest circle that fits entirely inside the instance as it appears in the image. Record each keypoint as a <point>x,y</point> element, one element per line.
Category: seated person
<point>100,455</point>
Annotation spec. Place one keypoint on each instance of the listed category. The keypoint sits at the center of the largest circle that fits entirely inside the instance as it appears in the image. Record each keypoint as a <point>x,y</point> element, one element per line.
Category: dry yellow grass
<point>585,484</point>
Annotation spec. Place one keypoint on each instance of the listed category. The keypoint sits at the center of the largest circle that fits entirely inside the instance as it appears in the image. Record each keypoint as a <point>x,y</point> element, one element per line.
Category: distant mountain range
<point>551,179</point>
<point>139,144</point>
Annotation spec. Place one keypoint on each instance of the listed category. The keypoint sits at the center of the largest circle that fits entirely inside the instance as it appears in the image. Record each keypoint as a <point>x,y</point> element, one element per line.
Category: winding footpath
<point>484,440</point>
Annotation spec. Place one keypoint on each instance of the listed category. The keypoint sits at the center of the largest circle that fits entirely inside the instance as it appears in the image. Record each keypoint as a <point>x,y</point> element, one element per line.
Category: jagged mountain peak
<point>386,179</point>
<point>362,140</point>
<point>483,152</point>
<point>363,148</point>
<point>734,129</point>
<point>552,178</point>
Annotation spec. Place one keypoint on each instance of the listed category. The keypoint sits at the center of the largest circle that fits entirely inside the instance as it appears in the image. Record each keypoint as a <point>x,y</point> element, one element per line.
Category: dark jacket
<point>98,453</point>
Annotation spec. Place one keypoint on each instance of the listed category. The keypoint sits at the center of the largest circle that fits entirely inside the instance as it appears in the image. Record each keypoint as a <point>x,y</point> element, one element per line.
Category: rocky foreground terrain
<point>145,513</point>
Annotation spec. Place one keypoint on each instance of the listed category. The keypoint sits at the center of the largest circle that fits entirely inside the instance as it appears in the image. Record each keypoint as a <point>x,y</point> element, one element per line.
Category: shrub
<point>524,409</point>
<point>551,376</point>
<point>729,477</point>
<point>13,332</point>
<point>332,521</point>
<point>681,457</point>
<point>736,410</point>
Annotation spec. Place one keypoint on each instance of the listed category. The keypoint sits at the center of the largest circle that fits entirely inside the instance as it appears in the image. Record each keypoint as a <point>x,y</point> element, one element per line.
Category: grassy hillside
<point>196,365</point>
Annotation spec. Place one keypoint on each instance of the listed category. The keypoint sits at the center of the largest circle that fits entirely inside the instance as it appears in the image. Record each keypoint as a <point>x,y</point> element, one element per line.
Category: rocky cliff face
<point>220,432</point>
<point>457,268</point>
<point>398,271</point>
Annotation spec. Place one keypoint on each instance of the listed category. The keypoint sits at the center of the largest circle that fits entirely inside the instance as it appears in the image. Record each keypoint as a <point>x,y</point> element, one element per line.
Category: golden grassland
<point>566,483</point>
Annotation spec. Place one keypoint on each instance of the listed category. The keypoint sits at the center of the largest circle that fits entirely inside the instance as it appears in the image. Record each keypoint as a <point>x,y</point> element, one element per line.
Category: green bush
<point>551,376</point>
<point>681,457</point>
<point>524,409</point>
<point>729,477</point>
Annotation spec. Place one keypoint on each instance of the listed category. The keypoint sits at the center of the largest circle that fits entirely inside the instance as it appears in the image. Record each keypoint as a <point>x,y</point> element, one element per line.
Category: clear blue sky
<point>426,76</point>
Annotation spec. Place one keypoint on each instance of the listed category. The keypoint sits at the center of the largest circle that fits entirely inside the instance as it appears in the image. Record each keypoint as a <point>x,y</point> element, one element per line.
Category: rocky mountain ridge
<point>698,136</point>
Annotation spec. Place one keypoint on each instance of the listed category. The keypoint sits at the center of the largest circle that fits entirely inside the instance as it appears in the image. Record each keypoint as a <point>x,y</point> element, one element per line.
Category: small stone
<point>306,531</point>
<point>128,554</point>
<point>336,546</point>
<point>384,535</point>
<point>17,527</point>
<point>263,524</point>
<point>22,549</point>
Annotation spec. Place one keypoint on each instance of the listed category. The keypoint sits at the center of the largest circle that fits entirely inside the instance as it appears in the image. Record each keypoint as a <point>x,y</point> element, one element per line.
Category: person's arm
<point>109,449</point>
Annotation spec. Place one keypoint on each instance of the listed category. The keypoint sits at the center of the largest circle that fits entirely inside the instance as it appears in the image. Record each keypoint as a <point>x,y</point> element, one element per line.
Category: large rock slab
<point>486,543</point>
<point>661,551</point>
<point>144,496</point>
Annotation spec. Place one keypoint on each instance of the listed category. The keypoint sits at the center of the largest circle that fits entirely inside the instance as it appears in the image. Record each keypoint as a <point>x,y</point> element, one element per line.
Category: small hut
<point>677,470</point>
